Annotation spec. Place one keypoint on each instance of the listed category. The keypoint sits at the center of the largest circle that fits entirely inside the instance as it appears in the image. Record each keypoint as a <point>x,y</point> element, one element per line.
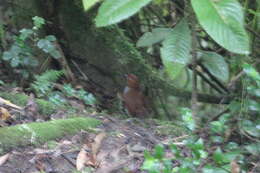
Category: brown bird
<point>133,98</point>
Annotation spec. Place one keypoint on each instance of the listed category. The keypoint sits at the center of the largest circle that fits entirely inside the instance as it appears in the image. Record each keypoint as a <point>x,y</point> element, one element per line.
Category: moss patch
<point>37,133</point>
<point>45,108</point>
<point>168,128</point>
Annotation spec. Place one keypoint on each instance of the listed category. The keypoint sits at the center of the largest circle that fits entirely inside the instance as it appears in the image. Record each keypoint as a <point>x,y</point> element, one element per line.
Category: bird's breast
<point>134,101</point>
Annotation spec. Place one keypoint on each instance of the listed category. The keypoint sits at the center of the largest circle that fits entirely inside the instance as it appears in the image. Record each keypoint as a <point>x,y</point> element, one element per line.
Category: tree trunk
<point>98,57</point>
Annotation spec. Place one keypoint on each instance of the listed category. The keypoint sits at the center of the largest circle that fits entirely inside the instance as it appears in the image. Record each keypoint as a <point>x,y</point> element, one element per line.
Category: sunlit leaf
<point>15,61</point>
<point>253,148</point>
<point>38,22</point>
<point>25,33</point>
<point>251,127</point>
<point>174,69</point>
<point>159,152</point>
<point>114,11</point>
<point>176,48</point>
<point>251,71</point>
<point>7,55</point>
<point>157,35</point>
<point>187,118</point>
<point>223,20</point>
<point>216,64</point>
<point>212,169</point>
<point>50,38</point>
<point>87,4</point>
<point>220,157</point>
<point>55,54</point>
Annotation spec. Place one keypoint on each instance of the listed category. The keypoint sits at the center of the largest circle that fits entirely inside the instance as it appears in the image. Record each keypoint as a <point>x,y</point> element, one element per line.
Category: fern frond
<point>44,82</point>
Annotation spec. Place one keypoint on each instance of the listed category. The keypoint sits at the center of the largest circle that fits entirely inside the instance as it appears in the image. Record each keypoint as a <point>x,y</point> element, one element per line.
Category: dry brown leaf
<point>8,103</point>
<point>4,158</point>
<point>97,142</point>
<point>4,114</point>
<point>88,154</point>
<point>86,158</point>
<point>81,159</point>
<point>40,166</point>
<point>234,167</point>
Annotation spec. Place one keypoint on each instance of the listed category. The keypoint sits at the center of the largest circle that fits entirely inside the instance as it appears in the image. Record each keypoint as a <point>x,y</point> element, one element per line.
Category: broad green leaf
<point>159,152</point>
<point>150,164</point>
<point>253,148</point>
<point>150,38</point>
<point>50,38</point>
<point>2,82</point>
<point>251,71</point>
<point>217,127</point>
<point>188,119</point>
<point>223,20</point>
<point>89,99</point>
<point>220,157</point>
<point>7,55</point>
<point>196,145</point>
<point>15,61</point>
<point>216,64</point>
<point>38,22</point>
<point>25,33</point>
<point>16,50</point>
<point>87,4</point>
<point>28,61</point>
<point>251,127</point>
<point>217,139</point>
<point>55,54</point>
<point>212,169</point>
<point>185,170</point>
<point>231,146</point>
<point>44,44</point>
<point>176,48</point>
<point>174,69</point>
<point>254,106</point>
<point>114,11</point>
<point>175,150</point>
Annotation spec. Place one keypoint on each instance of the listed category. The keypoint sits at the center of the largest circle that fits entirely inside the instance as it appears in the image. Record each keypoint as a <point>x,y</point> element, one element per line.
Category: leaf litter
<point>115,146</point>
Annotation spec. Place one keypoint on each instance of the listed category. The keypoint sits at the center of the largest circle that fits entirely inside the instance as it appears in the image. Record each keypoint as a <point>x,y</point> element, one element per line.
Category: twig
<point>157,15</point>
<point>194,94</point>
<point>68,159</point>
<point>207,80</point>
<point>252,31</point>
<point>163,106</point>
<point>180,137</point>
<point>81,72</point>
<point>255,166</point>
<point>64,64</point>
<point>213,77</point>
<point>239,75</point>
<point>216,117</point>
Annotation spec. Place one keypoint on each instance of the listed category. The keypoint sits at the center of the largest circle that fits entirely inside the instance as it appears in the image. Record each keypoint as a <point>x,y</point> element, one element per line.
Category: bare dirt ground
<point>113,147</point>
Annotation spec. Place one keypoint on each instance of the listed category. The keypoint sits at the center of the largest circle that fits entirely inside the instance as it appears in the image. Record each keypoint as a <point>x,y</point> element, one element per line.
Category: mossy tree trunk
<point>103,55</point>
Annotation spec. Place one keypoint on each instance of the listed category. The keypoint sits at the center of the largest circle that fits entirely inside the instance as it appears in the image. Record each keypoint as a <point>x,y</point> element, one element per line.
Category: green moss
<point>52,144</point>
<point>45,108</point>
<point>169,128</point>
<point>37,133</point>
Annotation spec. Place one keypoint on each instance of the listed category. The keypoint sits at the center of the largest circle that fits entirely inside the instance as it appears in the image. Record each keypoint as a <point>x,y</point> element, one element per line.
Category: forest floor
<point>116,145</point>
